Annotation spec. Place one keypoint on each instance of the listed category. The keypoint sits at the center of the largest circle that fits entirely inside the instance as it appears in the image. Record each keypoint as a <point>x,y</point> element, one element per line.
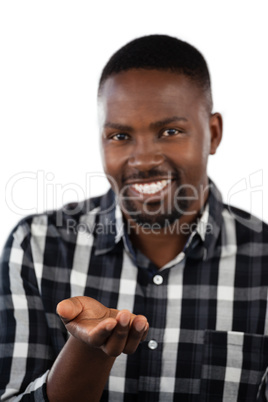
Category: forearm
<point>80,370</point>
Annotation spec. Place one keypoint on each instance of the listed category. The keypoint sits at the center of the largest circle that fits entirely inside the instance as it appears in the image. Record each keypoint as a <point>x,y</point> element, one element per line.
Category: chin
<point>155,221</point>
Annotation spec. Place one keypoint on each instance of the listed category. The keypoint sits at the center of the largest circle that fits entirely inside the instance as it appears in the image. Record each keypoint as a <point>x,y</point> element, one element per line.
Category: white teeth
<point>151,188</point>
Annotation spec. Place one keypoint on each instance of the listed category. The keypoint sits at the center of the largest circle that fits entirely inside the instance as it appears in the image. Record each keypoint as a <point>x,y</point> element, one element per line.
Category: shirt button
<point>158,279</point>
<point>152,344</point>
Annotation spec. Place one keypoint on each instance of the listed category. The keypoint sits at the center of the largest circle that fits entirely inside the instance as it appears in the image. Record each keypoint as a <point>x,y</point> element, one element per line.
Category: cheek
<point>197,167</point>
<point>107,157</point>
<point>191,159</point>
<point>113,166</point>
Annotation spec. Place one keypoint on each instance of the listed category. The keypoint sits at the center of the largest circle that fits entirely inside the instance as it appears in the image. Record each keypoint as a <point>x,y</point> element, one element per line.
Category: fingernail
<point>140,326</point>
<point>110,326</point>
<point>124,319</point>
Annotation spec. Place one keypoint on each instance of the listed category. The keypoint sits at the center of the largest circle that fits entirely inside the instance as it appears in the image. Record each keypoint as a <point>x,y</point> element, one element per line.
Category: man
<point>161,288</point>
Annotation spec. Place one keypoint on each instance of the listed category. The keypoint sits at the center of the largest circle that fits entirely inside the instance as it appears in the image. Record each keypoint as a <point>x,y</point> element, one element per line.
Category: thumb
<point>68,309</point>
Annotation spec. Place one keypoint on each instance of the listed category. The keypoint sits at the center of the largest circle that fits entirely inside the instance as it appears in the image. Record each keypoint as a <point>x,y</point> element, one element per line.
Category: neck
<point>160,247</point>
<point>163,245</point>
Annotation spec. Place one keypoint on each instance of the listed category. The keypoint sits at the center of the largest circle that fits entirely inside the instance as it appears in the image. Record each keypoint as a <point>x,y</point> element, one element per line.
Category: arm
<point>98,336</point>
<point>27,350</point>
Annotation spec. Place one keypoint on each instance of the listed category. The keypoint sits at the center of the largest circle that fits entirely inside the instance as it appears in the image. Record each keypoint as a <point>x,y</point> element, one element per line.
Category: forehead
<point>148,91</point>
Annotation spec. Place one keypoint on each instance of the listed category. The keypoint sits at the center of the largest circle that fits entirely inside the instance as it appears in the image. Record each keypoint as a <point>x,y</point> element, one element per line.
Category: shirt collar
<point>202,242</point>
<point>215,220</point>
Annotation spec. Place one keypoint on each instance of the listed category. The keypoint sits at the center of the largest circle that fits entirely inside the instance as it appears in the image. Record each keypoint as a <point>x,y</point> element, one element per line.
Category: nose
<point>145,157</point>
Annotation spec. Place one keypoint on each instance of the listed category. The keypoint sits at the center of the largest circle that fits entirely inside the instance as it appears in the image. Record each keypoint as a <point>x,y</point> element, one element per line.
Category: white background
<point>51,55</point>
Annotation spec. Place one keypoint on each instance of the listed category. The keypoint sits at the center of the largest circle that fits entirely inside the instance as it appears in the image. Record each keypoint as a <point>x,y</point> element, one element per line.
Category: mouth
<point>151,187</point>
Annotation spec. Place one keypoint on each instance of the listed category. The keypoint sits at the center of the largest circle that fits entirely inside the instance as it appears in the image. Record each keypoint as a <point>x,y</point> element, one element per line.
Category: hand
<point>113,331</point>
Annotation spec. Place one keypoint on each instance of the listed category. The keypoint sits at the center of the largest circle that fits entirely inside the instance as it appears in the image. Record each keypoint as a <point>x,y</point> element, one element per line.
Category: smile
<point>151,188</point>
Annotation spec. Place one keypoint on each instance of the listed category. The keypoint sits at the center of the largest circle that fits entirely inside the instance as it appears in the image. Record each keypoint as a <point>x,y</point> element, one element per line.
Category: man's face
<point>156,137</point>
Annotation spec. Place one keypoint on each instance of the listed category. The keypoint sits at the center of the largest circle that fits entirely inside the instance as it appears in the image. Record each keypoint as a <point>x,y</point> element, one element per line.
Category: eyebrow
<point>117,126</point>
<point>156,124</point>
<point>169,120</point>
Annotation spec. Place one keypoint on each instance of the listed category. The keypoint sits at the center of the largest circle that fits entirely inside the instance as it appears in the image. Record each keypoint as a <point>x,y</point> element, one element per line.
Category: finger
<point>99,334</point>
<point>145,332</point>
<point>116,342</point>
<point>137,334</point>
<point>92,334</point>
<point>68,309</point>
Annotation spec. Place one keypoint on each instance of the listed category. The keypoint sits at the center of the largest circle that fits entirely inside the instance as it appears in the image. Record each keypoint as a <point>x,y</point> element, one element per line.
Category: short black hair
<point>161,52</point>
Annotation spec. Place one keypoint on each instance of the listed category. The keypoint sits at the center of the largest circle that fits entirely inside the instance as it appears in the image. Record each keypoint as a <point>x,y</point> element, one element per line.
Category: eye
<point>120,137</point>
<point>170,132</point>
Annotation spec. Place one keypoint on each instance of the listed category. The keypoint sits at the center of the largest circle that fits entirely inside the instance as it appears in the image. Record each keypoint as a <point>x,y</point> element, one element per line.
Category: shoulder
<point>62,223</point>
<point>248,228</point>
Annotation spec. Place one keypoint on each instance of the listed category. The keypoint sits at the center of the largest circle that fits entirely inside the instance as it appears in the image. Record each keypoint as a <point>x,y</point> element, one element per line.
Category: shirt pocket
<point>233,366</point>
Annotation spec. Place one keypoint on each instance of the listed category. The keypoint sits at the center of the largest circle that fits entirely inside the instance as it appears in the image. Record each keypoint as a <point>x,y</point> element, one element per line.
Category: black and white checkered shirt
<point>207,308</point>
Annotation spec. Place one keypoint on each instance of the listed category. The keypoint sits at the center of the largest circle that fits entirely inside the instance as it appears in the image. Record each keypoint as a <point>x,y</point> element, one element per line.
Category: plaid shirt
<point>207,308</point>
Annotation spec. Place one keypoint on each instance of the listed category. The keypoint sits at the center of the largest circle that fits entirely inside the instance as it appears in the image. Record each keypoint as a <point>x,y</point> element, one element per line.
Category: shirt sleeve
<point>26,351</point>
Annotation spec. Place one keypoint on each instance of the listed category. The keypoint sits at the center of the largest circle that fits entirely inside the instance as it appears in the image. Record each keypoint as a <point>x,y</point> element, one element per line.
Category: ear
<point>215,132</point>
